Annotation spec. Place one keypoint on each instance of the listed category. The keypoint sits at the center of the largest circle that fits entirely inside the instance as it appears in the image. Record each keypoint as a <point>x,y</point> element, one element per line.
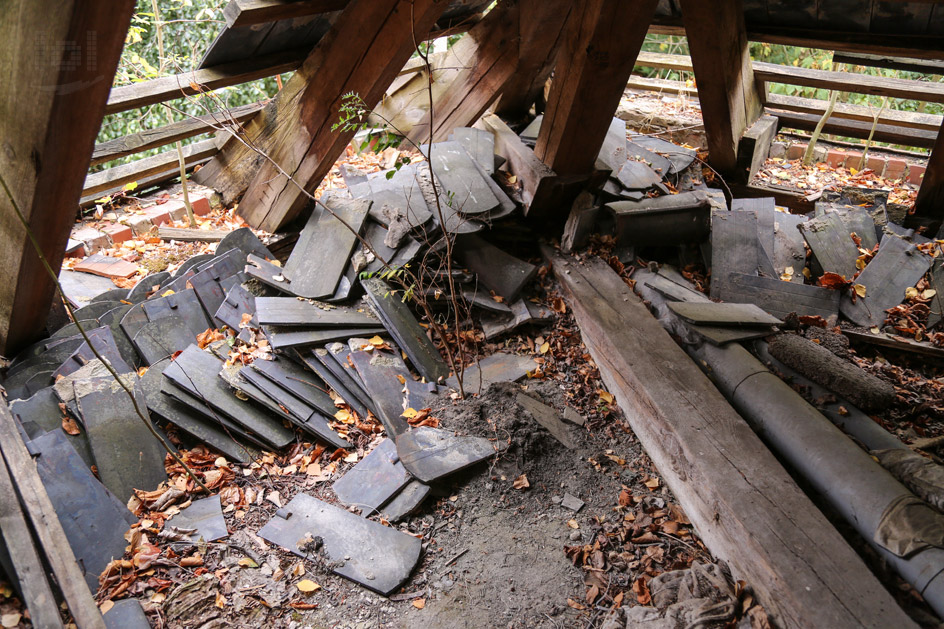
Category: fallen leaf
<point>605,396</point>
<point>652,483</point>
<point>592,594</point>
<point>911,292</point>
<point>191,562</point>
<point>641,589</point>
<point>376,341</point>
<point>573,524</point>
<point>574,604</point>
<point>544,348</point>
<point>859,290</point>
<point>104,607</point>
<point>69,425</point>
<point>308,586</point>
<point>521,482</point>
<point>928,294</point>
<point>409,413</point>
<point>246,562</point>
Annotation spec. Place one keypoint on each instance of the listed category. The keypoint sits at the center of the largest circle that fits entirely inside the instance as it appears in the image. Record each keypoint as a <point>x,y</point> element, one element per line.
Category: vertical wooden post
<point>57,63</point>
<point>362,54</point>
<point>929,206</point>
<point>599,51</point>
<point>730,103</point>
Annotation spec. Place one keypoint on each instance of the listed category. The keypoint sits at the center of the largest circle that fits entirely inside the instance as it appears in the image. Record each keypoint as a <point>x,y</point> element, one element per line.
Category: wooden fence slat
<point>248,12</point>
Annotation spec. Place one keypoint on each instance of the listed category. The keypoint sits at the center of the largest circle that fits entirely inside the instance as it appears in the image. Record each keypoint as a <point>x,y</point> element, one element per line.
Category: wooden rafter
<point>57,60</point>
<point>296,129</point>
<point>929,206</point>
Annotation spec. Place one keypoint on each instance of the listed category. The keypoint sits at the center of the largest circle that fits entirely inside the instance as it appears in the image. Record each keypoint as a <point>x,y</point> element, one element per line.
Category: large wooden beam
<point>595,61</point>
<point>506,52</point>
<point>57,63</point>
<point>295,130</point>
<point>729,99</point>
<point>929,205</point>
<point>744,505</point>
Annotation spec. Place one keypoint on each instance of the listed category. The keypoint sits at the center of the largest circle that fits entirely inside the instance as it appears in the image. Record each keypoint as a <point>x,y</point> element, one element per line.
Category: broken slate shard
<point>93,519</point>
<point>288,311</point>
<point>378,557</point>
<point>460,179</point>
<point>723,315</point>
<point>159,339</point>
<point>830,240</point>
<point>406,330</point>
<point>81,288</point>
<point>126,614</point>
<point>406,502</point>
<point>499,367</point>
<point>430,454</point>
<point>498,271</point>
<point>381,373</point>
<point>244,240</point>
<point>572,502</point>
<point>127,455</point>
<point>548,418</point>
<point>375,479</point>
<point>205,515</point>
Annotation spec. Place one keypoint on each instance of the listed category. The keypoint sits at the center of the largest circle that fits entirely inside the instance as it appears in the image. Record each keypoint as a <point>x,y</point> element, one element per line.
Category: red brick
<point>895,168</point>
<point>835,158</point>
<point>795,151</point>
<point>916,173</point>
<point>157,215</point>
<point>852,160</point>
<point>118,232</point>
<point>200,205</point>
<point>876,164</point>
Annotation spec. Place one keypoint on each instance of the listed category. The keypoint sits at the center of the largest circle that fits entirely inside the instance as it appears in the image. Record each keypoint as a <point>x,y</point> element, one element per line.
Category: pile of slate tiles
<point>320,314</point>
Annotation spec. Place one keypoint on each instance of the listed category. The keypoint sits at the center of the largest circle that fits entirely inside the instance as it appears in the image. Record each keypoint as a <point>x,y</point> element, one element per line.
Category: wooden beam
<point>189,83</point>
<point>666,86</point>
<point>744,505</point>
<point>57,60</point>
<point>296,130</point>
<point>906,64</point>
<point>36,504</point>
<point>191,235</point>
<point>597,56</point>
<point>168,134</point>
<point>168,161</point>
<point>248,12</point>
<point>509,46</point>
<point>143,182</point>
<point>892,134</point>
<point>929,205</point>
<point>893,117</point>
<point>721,59</point>
<point>850,82</point>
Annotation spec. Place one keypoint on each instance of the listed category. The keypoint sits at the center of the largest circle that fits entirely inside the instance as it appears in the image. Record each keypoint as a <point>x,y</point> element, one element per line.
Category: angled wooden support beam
<point>729,99</point>
<point>595,61</point>
<point>296,129</point>
<point>508,52</point>
<point>57,63</point>
<point>929,206</point>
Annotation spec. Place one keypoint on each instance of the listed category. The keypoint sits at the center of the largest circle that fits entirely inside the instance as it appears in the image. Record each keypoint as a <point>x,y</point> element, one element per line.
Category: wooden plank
<point>929,205</point>
<point>167,88</point>
<point>758,520</point>
<point>168,134</point>
<point>537,179</point>
<point>850,82</point>
<point>661,86</point>
<point>296,131</point>
<point>191,235</point>
<point>511,46</point>
<point>891,117</point>
<point>46,526</point>
<point>58,61</point>
<point>145,182</point>
<point>27,565</point>
<point>754,146</point>
<point>857,129</point>
<point>905,64</point>
<point>248,12</point>
<point>166,162</point>
<point>727,93</point>
<point>325,246</point>
<point>596,59</point>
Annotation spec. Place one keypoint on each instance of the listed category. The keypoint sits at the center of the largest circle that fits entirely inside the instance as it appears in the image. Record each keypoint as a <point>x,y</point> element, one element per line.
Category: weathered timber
<point>162,136</point>
<point>754,146</point>
<point>324,247</point>
<point>296,130</point>
<point>248,12</point>
<point>191,235</point>
<point>166,162</point>
<point>726,90</point>
<point>596,58</point>
<point>759,520</point>
<point>538,181</point>
<point>889,117</point>
<point>856,129</point>
<point>55,97</point>
<point>929,206</point>
<point>920,66</point>
<point>508,51</point>
<point>167,172</point>
<point>581,222</point>
<point>166,88</point>
<point>46,525</point>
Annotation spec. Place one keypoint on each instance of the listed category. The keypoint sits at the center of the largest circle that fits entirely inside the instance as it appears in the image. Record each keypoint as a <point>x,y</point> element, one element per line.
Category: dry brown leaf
<point>69,425</point>
<point>521,482</point>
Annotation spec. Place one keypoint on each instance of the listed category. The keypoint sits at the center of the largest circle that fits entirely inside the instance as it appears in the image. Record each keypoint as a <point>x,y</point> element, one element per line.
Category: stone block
<point>777,150</point>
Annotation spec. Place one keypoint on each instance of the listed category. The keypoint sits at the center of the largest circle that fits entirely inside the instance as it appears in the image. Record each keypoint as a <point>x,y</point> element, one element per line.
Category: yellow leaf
<point>806,272</point>
<point>344,416</point>
<point>573,524</point>
<point>308,586</point>
<point>104,607</point>
<point>852,171</point>
<point>605,396</point>
<point>248,563</point>
<point>376,341</point>
<point>928,294</point>
<point>911,292</point>
<point>874,329</point>
<point>409,413</point>
<point>167,293</point>
<point>419,603</point>
<point>158,597</point>
<point>128,187</point>
<point>544,348</point>
<point>860,263</point>
<point>859,290</point>
<point>351,458</point>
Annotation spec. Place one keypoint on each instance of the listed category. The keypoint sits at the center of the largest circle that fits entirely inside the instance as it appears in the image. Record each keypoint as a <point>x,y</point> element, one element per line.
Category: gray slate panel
<point>780,298</point>
<point>374,480</point>
<point>496,270</point>
<point>379,370</point>
<point>829,238</point>
<point>289,311</point>
<point>724,315</point>
<point>431,454</point>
